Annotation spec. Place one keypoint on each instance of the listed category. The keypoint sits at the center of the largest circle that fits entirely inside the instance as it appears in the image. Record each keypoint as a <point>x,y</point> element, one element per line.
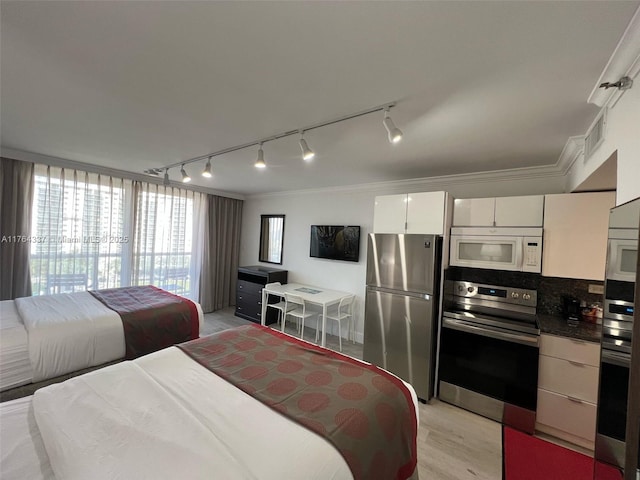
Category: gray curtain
<point>221,253</point>
<point>16,197</point>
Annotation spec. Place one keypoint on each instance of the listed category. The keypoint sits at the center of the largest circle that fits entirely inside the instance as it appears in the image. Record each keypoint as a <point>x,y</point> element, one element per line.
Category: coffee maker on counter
<point>571,308</point>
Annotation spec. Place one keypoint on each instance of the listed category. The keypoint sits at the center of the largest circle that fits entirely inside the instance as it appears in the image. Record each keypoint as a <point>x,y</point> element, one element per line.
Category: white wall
<point>355,207</point>
<point>622,133</point>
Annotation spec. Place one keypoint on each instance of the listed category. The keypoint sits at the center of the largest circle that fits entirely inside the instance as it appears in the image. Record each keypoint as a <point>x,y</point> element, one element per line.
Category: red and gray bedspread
<point>152,318</point>
<point>365,412</point>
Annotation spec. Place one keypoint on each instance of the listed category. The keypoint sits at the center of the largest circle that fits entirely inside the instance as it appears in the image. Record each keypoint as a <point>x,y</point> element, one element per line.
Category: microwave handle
<point>520,253</point>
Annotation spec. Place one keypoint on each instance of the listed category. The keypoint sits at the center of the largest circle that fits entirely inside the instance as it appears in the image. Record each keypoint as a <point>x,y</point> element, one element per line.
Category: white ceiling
<point>480,86</point>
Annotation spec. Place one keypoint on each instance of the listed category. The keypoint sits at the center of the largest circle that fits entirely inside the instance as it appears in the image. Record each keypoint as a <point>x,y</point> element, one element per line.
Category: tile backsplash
<point>550,289</point>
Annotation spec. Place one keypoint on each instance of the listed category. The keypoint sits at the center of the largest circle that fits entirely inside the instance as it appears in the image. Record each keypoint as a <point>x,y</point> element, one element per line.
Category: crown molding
<point>573,150</point>
<point>89,167</point>
<point>624,61</point>
<point>427,183</point>
<point>559,169</point>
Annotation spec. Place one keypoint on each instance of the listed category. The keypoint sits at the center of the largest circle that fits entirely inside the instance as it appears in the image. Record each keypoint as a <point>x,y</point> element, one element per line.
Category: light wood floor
<point>453,444</point>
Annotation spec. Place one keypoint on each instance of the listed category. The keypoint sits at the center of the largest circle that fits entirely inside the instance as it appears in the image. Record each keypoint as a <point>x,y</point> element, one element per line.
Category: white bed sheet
<point>22,453</point>
<point>15,365</point>
<point>237,430</point>
<point>69,332</point>
<point>46,336</point>
<point>166,416</point>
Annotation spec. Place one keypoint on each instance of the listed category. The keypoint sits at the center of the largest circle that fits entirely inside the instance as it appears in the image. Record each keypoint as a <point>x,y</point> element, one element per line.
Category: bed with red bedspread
<point>247,403</point>
<point>44,337</point>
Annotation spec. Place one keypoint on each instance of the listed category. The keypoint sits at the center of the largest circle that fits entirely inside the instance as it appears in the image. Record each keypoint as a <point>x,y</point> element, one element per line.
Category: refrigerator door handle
<point>490,332</point>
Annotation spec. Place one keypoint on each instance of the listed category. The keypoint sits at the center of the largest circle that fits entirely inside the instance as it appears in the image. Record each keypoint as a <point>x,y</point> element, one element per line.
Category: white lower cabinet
<point>569,377</point>
<point>568,389</point>
<point>567,414</point>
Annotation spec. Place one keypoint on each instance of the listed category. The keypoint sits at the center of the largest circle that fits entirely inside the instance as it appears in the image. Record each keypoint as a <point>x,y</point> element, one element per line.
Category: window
<point>77,231</point>
<point>163,238</point>
<point>92,231</point>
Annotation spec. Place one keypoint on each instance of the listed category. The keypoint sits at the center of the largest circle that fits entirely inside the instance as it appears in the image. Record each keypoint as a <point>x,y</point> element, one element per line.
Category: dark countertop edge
<point>556,325</point>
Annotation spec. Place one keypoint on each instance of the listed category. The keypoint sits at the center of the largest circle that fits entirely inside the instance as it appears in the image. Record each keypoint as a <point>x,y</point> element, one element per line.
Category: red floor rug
<point>529,458</point>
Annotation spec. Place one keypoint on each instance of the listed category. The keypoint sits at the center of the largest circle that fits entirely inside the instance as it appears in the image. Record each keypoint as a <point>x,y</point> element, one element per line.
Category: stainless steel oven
<point>617,338</point>
<point>614,376</point>
<point>489,348</point>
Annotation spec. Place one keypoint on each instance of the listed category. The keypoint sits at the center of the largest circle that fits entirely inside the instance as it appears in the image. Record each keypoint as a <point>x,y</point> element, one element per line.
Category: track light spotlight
<point>307,153</point>
<point>395,135</point>
<point>166,182</point>
<point>207,169</point>
<point>260,160</point>
<point>185,176</point>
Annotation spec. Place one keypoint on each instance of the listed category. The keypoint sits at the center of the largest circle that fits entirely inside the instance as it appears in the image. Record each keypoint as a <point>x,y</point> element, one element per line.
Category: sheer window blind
<point>91,231</point>
<point>78,231</point>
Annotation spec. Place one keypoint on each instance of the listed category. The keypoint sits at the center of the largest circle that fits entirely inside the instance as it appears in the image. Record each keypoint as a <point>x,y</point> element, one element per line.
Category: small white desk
<point>311,294</point>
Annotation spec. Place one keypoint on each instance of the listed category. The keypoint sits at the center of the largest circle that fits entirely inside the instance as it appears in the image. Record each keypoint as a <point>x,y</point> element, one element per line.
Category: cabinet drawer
<point>575,418</point>
<point>579,351</point>
<point>568,378</point>
<point>249,308</point>
<point>249,287</point>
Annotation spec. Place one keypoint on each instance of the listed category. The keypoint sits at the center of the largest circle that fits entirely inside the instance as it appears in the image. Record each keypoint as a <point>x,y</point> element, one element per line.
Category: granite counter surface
<point>556,325</point>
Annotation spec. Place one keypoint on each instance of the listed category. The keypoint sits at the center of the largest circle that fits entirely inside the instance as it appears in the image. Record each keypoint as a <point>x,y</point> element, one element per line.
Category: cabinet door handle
<point>574,399</point>
<point>576,364</point>
<point>579,342</point>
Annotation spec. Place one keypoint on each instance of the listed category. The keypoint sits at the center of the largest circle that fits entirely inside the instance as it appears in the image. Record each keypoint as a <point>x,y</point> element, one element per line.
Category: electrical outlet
<point>597,289</point>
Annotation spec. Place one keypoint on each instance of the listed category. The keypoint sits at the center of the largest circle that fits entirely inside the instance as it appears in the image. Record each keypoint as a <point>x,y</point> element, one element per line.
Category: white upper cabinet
<point>410,213</point>
<point>473,212</point>
<point>425,212</point>
<point>575,234</point>
<point>520,211</point>
<point>390,214</point>
<point>524,211</point>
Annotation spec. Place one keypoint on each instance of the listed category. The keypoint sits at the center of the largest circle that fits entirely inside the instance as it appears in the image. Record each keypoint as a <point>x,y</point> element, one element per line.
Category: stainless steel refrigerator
<point>401,306</point>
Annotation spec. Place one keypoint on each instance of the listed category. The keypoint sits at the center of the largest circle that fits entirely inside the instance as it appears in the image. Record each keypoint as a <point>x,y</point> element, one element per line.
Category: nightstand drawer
<point>574,417</point>
<point>568,378</point>
<point>575,350</point>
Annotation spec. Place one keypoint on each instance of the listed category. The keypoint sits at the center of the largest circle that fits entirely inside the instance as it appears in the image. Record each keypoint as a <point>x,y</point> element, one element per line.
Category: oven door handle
<point>463,326</point>
<point>620,359</point>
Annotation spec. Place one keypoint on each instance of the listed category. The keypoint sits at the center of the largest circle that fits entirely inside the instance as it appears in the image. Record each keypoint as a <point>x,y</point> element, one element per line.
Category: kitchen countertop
<point>556,325</point>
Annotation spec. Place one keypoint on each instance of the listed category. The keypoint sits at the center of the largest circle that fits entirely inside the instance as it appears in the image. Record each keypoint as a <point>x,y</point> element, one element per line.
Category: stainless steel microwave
<point>623,254</point>
<point>497,248</point>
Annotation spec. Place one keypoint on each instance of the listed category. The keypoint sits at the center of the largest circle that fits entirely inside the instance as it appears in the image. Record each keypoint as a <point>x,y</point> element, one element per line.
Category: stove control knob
<point>470,289</point>
<point>461,288</point>
<point>526,296</point>
<point>514,295</point>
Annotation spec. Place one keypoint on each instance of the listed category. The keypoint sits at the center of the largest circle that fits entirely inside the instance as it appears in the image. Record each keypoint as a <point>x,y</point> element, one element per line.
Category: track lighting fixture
<point>307,153</point>
<point>395,135</point>
<point>166,182</point>
<point>185,176</point>
<point>206,173</point>
<point>260,159</point>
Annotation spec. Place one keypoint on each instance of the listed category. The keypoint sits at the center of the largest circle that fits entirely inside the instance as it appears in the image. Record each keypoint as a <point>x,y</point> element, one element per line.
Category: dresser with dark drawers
<point>251,280</point>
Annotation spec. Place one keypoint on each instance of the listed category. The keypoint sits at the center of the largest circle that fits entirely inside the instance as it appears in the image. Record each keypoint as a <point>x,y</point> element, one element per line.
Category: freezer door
<point>398,336</point>
<point>402,262</point>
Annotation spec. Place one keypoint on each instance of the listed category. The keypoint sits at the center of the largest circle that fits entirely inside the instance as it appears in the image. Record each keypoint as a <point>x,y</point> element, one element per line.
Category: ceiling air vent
<point>595,136</point>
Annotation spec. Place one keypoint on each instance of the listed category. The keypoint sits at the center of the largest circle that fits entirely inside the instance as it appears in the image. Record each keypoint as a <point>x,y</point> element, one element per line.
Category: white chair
<point>280,306</point>
<point>296,308</point>
<point>343,313</point>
